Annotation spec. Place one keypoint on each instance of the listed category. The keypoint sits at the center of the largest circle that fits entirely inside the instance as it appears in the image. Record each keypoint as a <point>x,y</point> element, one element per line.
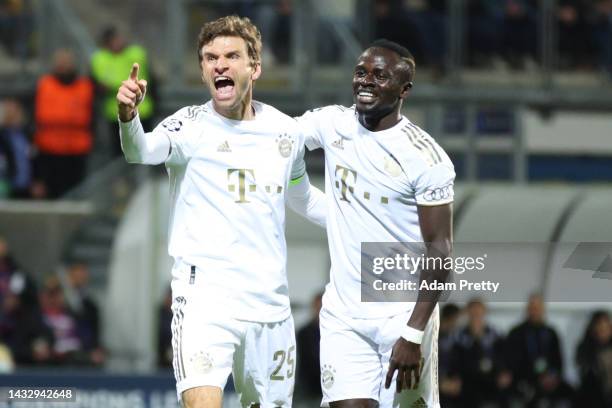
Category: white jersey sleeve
<point>302,197</point>
<point>140,147</point>
<point>180,130</point>
<point>432,174</point>
<point>312,125</point>
<point>307,200</point>
<point>298,168</point>
<point>434,186</point>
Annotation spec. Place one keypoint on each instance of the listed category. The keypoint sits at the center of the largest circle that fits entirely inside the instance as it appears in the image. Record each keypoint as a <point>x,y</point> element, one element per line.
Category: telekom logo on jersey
<point>346,179</point>
<point>238,181</point>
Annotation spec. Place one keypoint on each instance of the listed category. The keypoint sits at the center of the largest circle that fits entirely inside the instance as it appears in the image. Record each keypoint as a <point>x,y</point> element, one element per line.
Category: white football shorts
<point>208,346</point>
<point>355,357</point>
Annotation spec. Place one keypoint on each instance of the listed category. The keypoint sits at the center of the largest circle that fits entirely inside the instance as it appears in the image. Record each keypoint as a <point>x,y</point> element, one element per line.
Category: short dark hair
<point>449,310</point>
<point>403,52</point>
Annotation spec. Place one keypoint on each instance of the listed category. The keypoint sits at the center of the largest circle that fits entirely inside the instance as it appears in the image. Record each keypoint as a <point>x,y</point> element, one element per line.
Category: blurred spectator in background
<point>594,360</point>
<point>309,371</point>
<point>601,32</point>
<point>63,114</point>
<point>281,32</point>
<point>484,37</point>
<point>450,383</point>
<point>109,65</point>
<point>68,347</point>
<point>59,319</point>
<point>520,31</point>
<point>15,151</point>
<point>575,46</point>
<point>21,325</point>
<point>534,356</point>
<point>164,332</point>
<point>16,27</point>
<point>395,22</point>
<point>75,285</point>
<point>7,364</point>
<point>430,21</point>
<point>328,48</point>
<point>479,361</point>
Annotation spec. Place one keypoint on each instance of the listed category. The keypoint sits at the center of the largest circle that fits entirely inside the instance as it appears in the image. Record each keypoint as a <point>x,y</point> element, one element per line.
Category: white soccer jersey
<point>374,181</point>
<point>228,179</point>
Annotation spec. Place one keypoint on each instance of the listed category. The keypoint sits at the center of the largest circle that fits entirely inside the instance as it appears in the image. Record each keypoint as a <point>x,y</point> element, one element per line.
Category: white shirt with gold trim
<point>228,181</point>
<point>374,182</point>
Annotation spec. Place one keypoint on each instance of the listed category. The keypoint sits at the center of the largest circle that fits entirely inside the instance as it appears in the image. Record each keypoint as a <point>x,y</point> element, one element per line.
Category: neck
<point>377,121</point>
<point>242,111</point>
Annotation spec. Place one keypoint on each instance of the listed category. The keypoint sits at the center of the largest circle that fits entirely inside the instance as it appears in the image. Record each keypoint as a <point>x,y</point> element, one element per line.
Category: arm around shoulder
<point>307,200</point>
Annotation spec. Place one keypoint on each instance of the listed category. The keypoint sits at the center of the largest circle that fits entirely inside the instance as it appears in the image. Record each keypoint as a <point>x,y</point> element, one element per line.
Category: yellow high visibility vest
<point>111,69</point>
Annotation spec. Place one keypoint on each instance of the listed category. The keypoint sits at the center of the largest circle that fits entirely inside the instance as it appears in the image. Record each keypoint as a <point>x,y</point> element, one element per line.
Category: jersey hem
<point>430,204</point>
<point>270,318</point>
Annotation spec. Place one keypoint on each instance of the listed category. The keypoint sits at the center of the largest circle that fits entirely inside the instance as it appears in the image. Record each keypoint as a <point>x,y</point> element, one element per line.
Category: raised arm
<point>138,146</point>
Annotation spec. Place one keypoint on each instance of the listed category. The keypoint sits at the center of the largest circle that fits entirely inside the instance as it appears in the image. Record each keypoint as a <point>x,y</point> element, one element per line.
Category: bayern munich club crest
<point>202,362</point>
<point>285,144</point>
<point>328,376</point>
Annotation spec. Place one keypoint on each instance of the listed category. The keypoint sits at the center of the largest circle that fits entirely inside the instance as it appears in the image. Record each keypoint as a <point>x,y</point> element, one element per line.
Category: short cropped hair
<point>405,55</point>
<point>232,26</point>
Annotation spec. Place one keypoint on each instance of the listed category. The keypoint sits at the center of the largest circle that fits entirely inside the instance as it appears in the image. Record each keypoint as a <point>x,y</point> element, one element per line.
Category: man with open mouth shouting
<point>231,162</point>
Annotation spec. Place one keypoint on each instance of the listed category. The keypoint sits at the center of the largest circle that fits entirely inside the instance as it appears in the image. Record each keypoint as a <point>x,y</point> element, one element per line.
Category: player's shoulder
<point>275,121</point>
<point>418,147</point>
<point>334,118</point>
<point>330,111</point>
<point>185,117</point>
<point>270,113</point>
<point>193,113</point>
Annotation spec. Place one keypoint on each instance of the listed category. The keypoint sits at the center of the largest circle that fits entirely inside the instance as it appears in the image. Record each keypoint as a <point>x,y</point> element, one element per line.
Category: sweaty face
<point>227,71</point>
<point>378,83</point>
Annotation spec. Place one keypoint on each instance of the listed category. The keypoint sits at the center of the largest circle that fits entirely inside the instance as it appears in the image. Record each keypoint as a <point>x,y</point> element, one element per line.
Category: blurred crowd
<point>56,324</point>
<point>16,27</point>
<point>46,140</point>
<point>480,367</point>
<point>503,29</point>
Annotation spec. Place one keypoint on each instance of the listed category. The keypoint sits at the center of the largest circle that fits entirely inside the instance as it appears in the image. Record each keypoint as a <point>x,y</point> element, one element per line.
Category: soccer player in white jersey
<point>231,162</point>
<point>386,181</point>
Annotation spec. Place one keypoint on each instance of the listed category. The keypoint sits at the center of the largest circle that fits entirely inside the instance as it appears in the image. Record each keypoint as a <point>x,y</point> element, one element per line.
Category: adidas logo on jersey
<point>224,147</point>
<point>338,144</point>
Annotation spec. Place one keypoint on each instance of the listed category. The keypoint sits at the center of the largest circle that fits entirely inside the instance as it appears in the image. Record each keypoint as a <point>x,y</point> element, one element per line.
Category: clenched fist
<point>131,93</point>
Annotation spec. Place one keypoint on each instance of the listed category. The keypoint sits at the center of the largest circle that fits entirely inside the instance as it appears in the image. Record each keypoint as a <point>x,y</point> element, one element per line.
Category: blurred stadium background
<point>517,91</point>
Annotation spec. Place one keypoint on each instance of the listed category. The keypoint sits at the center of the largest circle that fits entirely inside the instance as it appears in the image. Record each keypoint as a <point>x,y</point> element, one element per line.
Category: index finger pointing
<point>134,72</point>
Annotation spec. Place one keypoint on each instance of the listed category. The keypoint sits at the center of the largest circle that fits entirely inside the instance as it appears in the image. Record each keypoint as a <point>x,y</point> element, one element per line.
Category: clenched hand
<point>131,92</point>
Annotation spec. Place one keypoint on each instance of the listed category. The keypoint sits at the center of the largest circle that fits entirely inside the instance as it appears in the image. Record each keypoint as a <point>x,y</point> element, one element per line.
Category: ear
<point>256,71</point>
<point>406,89</point>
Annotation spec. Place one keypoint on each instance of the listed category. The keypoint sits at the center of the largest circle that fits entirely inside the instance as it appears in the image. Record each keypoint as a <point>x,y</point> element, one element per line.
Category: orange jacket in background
<point>63,116</point>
